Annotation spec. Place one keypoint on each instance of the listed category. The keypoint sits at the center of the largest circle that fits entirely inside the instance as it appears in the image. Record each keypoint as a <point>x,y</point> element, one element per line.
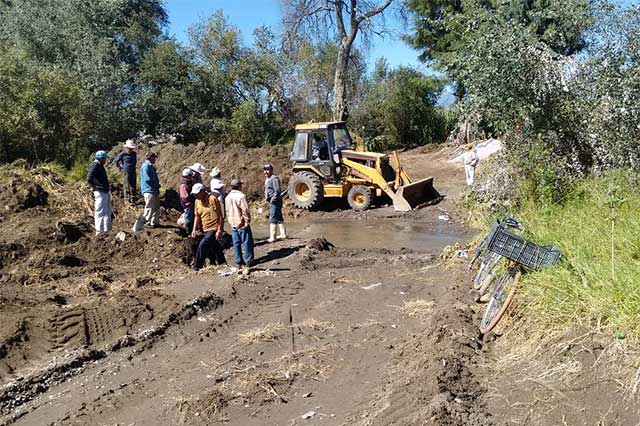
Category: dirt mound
<point>234,161</point>
<point>19,194</point>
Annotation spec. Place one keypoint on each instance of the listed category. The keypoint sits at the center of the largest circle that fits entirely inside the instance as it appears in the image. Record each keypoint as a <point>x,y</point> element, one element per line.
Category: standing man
<point>99,182</point>
<point>125,161</point>
<point>186,199</point>
<point>272,193</point>
<point>198,169</point>
<point>470,160</point>
<point>239,217</point>
<point>150,188</point>
<point>208,215</point>
<point>218,188</point>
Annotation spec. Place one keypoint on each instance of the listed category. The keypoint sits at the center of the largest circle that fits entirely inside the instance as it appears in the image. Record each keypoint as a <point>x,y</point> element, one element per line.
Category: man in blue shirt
<point>125,161</point>
<point>99,183</point>
<point>150,188</point>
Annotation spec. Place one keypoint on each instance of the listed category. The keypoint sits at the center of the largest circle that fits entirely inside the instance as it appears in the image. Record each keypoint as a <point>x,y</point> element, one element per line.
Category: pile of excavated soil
<point>234,161</point>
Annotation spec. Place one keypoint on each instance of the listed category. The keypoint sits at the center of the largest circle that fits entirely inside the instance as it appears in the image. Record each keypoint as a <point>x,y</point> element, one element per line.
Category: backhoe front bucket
<point>408,197</point>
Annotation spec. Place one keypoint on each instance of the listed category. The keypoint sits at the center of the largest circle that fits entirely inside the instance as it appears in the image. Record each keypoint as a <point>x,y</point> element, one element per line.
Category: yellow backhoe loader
<point>326,164</point>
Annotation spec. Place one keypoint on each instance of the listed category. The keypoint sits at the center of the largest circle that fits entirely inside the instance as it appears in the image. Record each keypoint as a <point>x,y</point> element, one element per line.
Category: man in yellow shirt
<point>208,215</point>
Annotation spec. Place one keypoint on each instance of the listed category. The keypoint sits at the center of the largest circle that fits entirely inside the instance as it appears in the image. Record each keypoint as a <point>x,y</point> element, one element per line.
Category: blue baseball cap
<point>100,155</point>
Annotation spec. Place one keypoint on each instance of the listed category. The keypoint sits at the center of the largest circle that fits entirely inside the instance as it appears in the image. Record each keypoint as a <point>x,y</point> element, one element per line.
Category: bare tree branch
<point>374,12</point>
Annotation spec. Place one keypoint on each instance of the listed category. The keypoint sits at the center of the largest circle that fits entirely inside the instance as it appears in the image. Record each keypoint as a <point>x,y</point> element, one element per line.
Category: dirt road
<point>107,332</point>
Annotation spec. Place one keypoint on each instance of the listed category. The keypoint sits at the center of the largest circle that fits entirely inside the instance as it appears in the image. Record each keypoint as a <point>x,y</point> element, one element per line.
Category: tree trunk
<point>340,86</point>
<point>340,80</point>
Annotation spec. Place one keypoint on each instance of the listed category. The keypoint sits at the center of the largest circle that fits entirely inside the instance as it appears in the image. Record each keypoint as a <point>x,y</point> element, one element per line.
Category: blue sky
<point>249,14</point>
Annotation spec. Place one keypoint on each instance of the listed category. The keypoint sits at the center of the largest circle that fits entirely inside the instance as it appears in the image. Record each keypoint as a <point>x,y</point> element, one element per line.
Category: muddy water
<point>390,234</point>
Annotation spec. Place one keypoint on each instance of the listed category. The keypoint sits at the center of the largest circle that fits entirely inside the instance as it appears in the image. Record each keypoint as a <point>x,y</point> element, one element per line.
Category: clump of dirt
<point>320,244</point>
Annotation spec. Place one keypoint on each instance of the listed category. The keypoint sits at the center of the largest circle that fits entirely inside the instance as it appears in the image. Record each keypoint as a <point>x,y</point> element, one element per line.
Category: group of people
<point>204,208</point>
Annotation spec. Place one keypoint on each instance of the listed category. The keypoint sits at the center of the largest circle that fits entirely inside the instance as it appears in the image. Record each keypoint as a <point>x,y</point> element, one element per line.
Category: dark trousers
<point>209,248</point>
<point>129,187</point>
<point>275,212</point>
<point>242,240</point>
<point>188,219</point>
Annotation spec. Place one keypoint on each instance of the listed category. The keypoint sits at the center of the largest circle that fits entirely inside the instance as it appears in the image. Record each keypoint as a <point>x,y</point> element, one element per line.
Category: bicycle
<point>521,255</point>
<point>487,268</point>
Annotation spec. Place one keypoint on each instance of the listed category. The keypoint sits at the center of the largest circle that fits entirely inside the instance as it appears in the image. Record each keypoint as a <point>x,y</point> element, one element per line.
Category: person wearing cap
<point>218,188</point>
<point>273,195</point>
<point>125,161</point>
<point>150,188</point>
<point>186,199</point>
<point>239,217</point>
<point>99,182</point>
<point>198,169</point>
<point>208,215</point>
<point>470,160</point>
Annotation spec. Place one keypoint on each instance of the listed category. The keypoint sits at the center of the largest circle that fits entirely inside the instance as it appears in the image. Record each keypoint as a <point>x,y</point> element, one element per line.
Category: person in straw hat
<point>125,161</point>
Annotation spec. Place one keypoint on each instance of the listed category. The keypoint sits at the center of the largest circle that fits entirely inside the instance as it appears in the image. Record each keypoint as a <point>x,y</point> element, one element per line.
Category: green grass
<point>589,288</point>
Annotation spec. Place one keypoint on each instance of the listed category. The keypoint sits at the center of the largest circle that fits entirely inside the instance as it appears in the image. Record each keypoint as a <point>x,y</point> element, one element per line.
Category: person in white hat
<point>198,169</point>
<point>218,188</point>
<point>126,161</point>
<point>208,215</point>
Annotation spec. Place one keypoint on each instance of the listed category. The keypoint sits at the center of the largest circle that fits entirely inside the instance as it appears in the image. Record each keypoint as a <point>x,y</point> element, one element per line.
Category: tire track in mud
<point>24,389</point>
<point>271,298</point>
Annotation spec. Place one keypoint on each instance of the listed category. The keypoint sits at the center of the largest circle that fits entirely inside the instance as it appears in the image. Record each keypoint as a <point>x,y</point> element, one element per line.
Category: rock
<point>121,236</point>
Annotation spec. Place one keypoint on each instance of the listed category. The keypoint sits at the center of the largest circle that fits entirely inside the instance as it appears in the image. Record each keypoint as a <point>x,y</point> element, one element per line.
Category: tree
<point>398,109</point>
<point>80,60</point>
<point>337,20</point>
<point>444,28</point>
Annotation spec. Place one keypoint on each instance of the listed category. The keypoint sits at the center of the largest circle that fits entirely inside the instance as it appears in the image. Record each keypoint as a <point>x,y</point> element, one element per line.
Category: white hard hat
<point>130,144</point>
<point>187,172</point>
<point>215,172</point>
<point>197,188</point>
<point>199,168</point>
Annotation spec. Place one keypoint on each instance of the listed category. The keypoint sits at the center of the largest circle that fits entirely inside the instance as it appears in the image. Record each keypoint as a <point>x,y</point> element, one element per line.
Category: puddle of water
<point>390,234</point>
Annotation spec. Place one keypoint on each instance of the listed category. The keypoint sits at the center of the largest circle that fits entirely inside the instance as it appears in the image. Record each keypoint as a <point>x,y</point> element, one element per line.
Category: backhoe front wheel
<point>359,197</point>
<point>305,190</point>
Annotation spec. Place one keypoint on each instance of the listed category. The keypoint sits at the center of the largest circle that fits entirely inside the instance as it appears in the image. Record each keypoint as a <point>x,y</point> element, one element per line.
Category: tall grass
<point>598,283</point>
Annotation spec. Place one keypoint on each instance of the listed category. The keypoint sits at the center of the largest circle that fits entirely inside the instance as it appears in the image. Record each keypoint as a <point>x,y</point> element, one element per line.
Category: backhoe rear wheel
<point>359,197</point>
<point>305,190</point>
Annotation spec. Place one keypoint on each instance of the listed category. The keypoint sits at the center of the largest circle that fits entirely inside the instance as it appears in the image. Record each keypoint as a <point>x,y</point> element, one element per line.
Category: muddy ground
<point>352,331</point>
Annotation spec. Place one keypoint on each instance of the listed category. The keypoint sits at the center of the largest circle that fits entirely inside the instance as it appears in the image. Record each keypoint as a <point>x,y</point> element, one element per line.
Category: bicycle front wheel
<point>486,272</point>
<point>501,298</point>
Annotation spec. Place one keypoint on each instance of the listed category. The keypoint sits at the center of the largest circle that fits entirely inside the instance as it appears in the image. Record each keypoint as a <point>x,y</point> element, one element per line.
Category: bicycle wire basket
<point>516,248</point>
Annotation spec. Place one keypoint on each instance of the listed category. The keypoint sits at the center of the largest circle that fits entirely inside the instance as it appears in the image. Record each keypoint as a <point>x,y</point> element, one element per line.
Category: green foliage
<point>67,74</point>
<point>443,29</point>
<point>398,110</point>
<point>590,287</point>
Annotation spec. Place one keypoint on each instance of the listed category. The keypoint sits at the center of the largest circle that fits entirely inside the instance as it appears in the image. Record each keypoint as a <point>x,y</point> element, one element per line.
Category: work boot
<point>282,232</point>
<point>272,232</point>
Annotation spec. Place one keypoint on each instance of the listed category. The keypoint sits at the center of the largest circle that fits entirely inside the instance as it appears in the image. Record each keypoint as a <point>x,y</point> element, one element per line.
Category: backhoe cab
<point>326,164</point>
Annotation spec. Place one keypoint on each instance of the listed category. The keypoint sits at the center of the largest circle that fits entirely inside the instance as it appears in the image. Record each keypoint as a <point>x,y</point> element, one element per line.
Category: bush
<point>398,112</point>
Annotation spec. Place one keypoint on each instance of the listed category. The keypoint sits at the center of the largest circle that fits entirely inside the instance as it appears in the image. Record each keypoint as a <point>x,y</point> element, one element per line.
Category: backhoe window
<point>299,151</point>
<point>342,138</point>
